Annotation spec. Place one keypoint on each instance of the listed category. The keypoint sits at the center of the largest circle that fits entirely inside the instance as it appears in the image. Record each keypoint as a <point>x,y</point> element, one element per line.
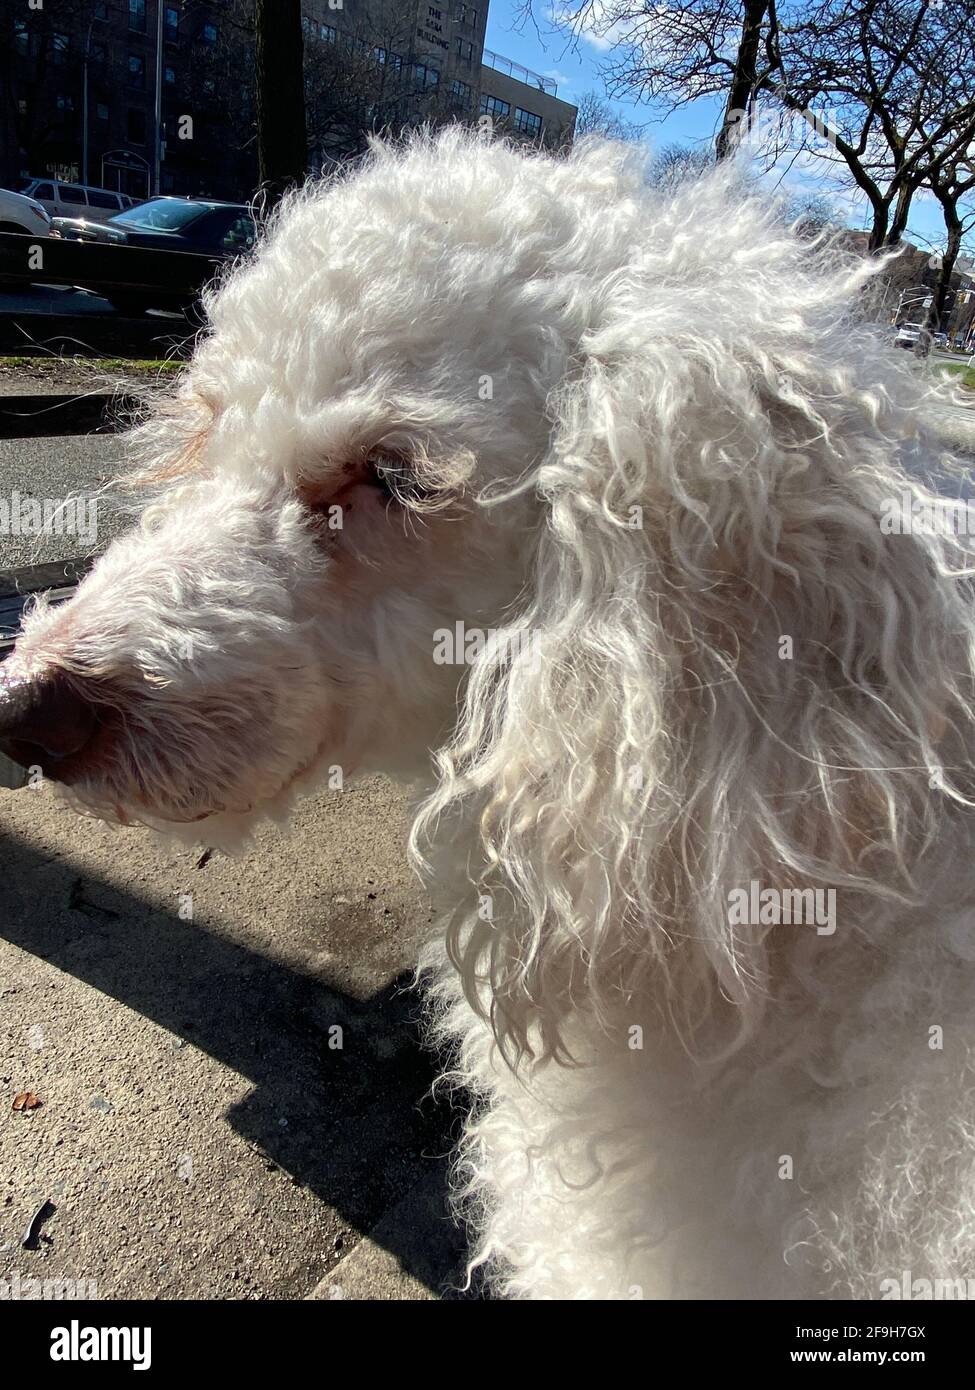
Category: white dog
<point>603,496</point>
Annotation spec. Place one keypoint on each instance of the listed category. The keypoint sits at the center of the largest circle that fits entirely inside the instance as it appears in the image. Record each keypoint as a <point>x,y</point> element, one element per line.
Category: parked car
<point>940,340</point>
<point>197,225</point>
<point>171,224</point>
<point>961,340</point>
<point>907,335</point>
<point>76,199</point>
<point>21,214</point>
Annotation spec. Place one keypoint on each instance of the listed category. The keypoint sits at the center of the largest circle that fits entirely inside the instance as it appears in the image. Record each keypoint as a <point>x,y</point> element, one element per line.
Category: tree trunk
<point>939,297</point>
<point>881,220</point>
<point>901,213</point>
<point>279,64</point>
<point>745,78</point>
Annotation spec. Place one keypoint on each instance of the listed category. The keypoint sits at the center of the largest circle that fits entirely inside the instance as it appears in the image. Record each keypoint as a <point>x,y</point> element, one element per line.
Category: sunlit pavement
<point>233,1103</point>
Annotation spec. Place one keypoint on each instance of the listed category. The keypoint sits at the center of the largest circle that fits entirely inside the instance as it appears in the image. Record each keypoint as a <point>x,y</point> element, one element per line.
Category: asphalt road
<point>52,470</point>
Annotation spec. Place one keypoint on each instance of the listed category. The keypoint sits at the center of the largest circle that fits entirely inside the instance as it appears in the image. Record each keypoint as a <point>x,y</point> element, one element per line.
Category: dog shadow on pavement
<point>362,1131</point>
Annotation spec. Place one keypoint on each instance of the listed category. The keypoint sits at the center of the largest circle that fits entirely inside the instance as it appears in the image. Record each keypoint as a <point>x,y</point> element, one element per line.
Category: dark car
<point>197,225</point>
<point>173,224</point>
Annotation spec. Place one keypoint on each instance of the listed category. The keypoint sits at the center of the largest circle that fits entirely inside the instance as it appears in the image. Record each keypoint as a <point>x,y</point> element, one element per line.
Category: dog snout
<point>45,720</point>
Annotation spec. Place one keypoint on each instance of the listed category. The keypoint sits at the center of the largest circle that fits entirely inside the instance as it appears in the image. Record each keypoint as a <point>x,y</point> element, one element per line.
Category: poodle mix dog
<point>594,512</point>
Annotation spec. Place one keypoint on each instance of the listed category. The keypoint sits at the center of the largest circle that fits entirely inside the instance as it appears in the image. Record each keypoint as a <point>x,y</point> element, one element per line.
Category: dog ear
<point>727,671</point>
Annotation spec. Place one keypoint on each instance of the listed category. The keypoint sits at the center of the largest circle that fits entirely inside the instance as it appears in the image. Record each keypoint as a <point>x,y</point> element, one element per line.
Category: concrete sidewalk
<point>232,1095</point>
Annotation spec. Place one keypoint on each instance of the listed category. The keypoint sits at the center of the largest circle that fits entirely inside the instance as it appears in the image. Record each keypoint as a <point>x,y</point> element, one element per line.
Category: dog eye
<point>389,473</point>
<point>392,474</point>
<point>386,471</point>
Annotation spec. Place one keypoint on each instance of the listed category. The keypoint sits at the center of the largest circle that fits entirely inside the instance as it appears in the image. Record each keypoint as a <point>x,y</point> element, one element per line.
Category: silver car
<point>76,199</point>
<point>21,214</point>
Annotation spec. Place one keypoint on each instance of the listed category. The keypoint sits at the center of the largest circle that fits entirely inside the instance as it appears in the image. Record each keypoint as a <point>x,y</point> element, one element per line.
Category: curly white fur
<point>647,431</point>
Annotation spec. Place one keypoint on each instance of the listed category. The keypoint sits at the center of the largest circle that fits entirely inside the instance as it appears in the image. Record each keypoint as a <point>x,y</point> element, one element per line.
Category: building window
<point>64,101</point>
<point>98,53</point>
<point>169,76</point>
<point>137,16</point>
<point>21,38</point>
<point>136,127</point>
<point>465,50</point>
<point>466,14</point>
<point>101,111</point>
<point>171,24</point>
<point>425,76</point>
<point>209,33</point>
<point>326,32</point>
<point>101,10</point>
<point>460,92</point>
<point>395,62</point>
<point>494,106</point>
<point>527,122</point>
<point>380,55</point>
<point>59,49</point>
<point>137,71</point>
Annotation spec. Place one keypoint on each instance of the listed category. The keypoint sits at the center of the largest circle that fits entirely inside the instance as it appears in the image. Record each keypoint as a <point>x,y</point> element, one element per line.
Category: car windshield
<point>161,216</point>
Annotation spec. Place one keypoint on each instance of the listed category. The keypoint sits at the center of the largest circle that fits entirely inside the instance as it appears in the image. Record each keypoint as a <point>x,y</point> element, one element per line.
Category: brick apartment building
<point>369,65</point>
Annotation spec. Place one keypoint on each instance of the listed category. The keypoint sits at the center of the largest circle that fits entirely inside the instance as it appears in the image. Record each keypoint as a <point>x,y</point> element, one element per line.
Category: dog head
<point>316,521</point>
<point>582,485</point>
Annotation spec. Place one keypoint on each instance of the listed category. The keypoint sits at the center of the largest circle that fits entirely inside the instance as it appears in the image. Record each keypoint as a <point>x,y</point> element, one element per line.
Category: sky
<point>575,69</point>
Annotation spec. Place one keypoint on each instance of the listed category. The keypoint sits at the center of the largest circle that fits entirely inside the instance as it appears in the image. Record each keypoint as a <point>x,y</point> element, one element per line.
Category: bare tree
<point>678,164</point>
<point>892,73</point>
<point>894,76</point>
<point>595,116</point>
<point>670,55</point>
<point>369,81</point>
<point>952,185</point>
<point>811,214</point>
<point>745,77</point>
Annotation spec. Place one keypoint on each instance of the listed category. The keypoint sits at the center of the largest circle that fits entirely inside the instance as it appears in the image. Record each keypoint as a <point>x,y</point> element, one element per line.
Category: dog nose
<point>43,720</point>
